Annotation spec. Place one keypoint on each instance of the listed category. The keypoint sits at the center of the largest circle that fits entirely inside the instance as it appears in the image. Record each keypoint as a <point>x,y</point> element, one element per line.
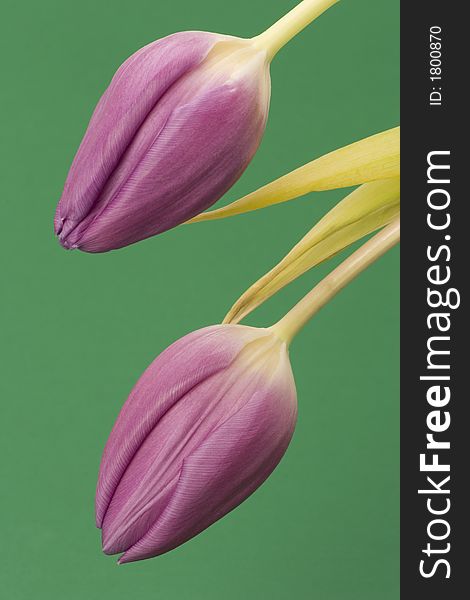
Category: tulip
<point>177,126</point>
<point>203,428</point>
<point>206,424</point>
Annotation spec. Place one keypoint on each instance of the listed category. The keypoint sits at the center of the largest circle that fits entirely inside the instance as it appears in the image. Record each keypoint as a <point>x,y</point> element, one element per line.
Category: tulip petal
<point>150,475</point>
<point>135,89</point>
<point>375,157</point>
<point>201,148</point>
<point>172,374</point>
<point>366,209</point>
<point>176,128</point>
<point>227,467</point>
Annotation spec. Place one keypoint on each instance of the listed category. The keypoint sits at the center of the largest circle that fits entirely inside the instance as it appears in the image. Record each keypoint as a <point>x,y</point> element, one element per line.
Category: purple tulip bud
<point>203,428</point>
<point>177,126</point>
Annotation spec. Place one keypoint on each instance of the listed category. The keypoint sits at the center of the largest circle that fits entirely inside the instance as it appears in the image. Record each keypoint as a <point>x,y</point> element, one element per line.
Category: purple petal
<point>171,375</point>
<point>166,141</point>
<point>228,466</point>
<point>134,91</point>
<point>231,394</point>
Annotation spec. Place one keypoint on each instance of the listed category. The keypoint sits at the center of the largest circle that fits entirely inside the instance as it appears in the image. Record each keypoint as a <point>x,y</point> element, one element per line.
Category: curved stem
<point>274,38</point>
<point>310,304</point>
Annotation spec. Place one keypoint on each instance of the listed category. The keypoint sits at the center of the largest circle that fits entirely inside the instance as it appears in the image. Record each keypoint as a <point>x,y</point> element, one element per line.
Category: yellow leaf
<point>368,208</point>
<point>375,157</point>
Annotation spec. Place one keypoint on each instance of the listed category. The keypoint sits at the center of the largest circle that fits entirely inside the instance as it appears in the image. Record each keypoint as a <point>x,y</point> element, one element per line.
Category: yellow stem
<point>274,38</point>
<point>310,304</point>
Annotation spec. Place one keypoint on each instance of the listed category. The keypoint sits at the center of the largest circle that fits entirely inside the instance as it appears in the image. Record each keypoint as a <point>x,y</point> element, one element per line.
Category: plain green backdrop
<point>77,330</point>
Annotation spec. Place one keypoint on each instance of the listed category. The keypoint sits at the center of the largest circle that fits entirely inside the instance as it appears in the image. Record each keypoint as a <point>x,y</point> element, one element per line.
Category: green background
<point>77,330</point>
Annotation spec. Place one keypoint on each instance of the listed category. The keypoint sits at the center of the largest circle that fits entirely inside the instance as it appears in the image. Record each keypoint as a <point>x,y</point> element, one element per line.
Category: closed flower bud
<point>203,428</point>
<point>177,126</point>
<point>175,129</point>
